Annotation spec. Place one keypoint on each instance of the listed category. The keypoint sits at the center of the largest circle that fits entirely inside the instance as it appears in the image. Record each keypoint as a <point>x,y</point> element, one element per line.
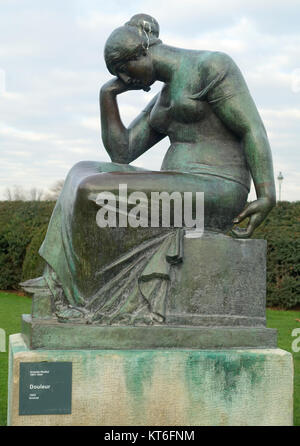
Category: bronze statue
<point>204,108</point>
<point>217,144</point>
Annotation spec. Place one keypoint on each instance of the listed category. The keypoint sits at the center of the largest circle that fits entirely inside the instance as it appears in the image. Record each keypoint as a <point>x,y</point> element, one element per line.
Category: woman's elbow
<point>256,134</point>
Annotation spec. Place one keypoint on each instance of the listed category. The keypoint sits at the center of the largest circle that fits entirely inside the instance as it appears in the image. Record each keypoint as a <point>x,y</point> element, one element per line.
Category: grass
<point>286,322</point>
<point>12,306</point>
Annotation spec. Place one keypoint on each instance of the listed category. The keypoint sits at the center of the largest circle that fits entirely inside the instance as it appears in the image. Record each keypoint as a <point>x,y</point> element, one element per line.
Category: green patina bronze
<point>39,334</point>
<point>122,276</point>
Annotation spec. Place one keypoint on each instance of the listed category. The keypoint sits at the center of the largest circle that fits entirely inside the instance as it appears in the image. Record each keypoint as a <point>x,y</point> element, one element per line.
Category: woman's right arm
<point>124,145</point>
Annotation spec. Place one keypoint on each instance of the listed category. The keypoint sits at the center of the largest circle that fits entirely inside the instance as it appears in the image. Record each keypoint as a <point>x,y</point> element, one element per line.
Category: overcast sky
<point>52,67</point>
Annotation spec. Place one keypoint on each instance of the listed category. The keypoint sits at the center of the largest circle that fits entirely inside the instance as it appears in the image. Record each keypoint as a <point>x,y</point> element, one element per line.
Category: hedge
<point>19,223</point>
<point>23,226</point>
<point>282,231</point>
<point>33,264</point>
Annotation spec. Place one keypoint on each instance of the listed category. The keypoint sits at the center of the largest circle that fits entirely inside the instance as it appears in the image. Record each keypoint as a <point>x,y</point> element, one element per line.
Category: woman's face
<point>137,72</point>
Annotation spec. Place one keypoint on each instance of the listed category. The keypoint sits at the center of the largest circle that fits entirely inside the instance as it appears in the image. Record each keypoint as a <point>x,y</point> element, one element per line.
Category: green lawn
<point>12,306</point>
<point>285,322</point>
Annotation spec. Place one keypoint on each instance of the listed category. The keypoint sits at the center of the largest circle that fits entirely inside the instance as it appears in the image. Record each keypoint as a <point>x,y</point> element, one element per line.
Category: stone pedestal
<point>178,387</point>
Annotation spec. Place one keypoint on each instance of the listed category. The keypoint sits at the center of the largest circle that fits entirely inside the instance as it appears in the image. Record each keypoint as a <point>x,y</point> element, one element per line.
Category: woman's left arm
<point>233,104</point>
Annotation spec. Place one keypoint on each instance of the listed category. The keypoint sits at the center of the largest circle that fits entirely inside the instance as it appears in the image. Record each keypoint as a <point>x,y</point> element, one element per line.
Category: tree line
<point>18,193</point>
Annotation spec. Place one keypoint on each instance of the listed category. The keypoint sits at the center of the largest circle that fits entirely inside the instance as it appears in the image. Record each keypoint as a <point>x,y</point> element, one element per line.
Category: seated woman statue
<point>120,275</point>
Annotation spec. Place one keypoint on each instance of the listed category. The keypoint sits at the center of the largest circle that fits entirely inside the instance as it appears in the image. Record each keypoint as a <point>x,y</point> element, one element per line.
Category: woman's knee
<point>96,183</point>
<point>82,165</point>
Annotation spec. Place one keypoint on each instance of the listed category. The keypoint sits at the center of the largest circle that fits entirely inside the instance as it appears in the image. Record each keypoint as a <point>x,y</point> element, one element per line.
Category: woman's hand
<point>116,86</point>
<point>257,212</point>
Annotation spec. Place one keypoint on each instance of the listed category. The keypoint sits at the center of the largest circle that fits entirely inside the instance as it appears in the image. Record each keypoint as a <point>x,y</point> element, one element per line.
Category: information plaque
<point>45,388</point>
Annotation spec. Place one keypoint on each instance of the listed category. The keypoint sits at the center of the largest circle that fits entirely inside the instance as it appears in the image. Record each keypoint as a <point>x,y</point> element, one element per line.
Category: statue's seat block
<point>221,282</point>
<point>216,299</point>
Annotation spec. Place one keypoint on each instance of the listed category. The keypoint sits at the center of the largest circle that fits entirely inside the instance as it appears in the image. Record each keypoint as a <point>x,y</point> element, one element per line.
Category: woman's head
<point>129,43</point>
<point>145,24</point>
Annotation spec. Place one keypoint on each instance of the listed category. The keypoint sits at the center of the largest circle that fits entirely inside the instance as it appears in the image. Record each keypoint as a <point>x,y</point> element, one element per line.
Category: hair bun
<point>145,23</point>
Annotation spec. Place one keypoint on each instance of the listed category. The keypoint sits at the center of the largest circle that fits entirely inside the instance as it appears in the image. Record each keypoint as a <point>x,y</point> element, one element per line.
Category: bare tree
<point>36,194</point>
<point>8,194</point>
<point>55,190</point>
<point>16,193</point>
<point>19,193</point>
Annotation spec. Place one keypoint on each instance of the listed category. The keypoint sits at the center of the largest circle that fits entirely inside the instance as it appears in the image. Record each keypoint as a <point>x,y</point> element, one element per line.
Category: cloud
<point>95,20</point>
<point>91,123</point>
<point>23,135</point>
<point>52,56</point>
<point>282,114</point>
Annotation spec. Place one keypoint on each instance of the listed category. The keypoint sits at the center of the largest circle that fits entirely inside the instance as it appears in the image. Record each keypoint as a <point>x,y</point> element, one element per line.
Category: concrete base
<point>165,387</point>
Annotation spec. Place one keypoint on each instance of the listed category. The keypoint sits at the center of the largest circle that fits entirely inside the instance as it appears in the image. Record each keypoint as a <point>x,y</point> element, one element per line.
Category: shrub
<point>281,229</point>
<point>33,264</point>
<point>19,222</point>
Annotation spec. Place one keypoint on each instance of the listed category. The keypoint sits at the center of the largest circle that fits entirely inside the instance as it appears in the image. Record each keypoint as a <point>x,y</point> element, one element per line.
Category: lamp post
<point>280,179</point>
